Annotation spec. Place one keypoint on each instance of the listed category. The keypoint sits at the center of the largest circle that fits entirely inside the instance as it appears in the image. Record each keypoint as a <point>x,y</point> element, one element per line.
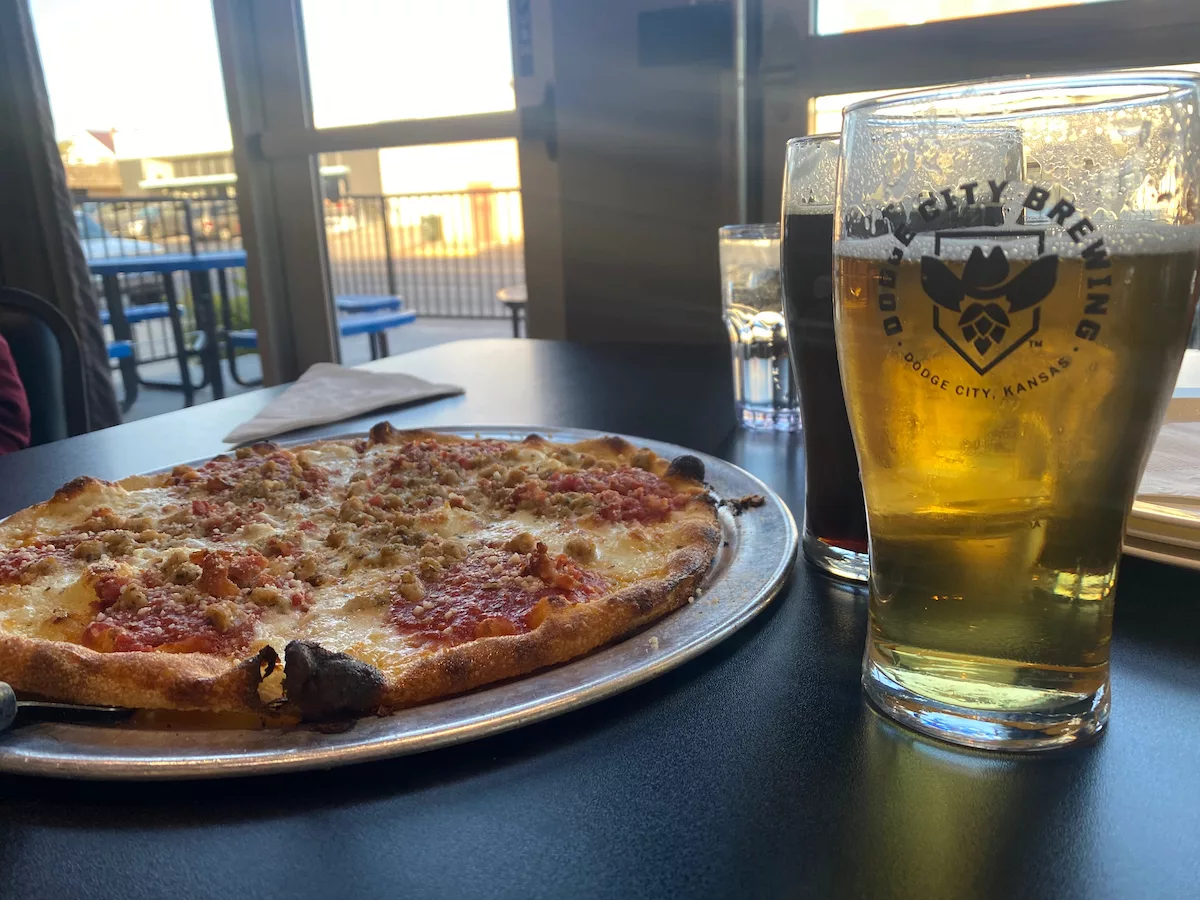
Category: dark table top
<point>755,770</point>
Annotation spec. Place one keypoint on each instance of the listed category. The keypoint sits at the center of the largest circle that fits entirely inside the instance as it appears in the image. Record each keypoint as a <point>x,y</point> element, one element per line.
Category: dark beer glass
<point>835,522</point>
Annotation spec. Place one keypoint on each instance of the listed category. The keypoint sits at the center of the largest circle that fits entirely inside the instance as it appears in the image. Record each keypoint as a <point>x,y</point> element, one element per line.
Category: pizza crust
<point>575,632</point>
<point>65,671</point>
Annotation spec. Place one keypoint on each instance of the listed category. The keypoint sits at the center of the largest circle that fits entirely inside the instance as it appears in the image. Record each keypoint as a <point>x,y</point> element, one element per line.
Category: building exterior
<point>446,199</point>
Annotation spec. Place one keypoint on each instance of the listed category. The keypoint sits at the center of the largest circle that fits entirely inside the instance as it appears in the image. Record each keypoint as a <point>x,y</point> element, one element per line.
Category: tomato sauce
<point>623,495</point>
<point>495,592</point>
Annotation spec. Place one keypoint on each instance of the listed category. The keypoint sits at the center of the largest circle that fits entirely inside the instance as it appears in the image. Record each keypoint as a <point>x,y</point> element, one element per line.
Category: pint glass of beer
<point>1015,275</point>
<point>835,523</point>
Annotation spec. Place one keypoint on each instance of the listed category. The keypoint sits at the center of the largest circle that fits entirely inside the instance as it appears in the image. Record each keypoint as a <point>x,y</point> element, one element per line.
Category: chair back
<point>46,351</point>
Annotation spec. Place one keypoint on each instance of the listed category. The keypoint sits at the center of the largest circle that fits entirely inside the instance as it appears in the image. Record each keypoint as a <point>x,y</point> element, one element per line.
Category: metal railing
<point>146,226</point>
<point>446,253</point>
<point>121,227</point>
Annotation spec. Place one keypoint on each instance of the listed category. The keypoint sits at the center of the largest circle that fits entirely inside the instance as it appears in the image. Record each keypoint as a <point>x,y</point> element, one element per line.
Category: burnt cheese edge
<point>687,466</point>
<point>326,684</point>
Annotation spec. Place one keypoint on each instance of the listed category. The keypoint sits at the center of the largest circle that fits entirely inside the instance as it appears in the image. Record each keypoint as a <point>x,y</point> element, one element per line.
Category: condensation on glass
<point>1015,277</point>
<point>835,524</point>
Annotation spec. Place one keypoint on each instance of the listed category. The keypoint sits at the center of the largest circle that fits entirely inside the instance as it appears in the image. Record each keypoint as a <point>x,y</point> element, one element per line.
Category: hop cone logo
<point>995,298</point>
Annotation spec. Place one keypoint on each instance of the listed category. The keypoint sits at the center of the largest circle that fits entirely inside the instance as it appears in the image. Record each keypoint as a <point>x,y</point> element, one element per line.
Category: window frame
<point>276,148</point>
<point>786,63</point>
<point>798,64</point>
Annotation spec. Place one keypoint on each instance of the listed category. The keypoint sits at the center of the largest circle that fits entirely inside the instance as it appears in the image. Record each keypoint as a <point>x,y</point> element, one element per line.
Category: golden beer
<point>1015,267</point>
<point>1003,392</point>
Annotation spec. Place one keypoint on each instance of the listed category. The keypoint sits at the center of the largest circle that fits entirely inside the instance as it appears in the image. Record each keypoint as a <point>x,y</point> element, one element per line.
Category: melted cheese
<point>624,554</point>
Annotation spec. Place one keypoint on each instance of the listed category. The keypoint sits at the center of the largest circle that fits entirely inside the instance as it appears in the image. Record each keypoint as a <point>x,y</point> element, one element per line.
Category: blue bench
<point>135,314</point>
<point>120,350</point>
<point>390,314</point>
<point>375,326</point>
<point>365,303</point>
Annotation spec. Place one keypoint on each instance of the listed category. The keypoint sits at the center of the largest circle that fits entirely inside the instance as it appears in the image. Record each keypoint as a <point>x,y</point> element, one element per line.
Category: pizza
<point>346,577</point>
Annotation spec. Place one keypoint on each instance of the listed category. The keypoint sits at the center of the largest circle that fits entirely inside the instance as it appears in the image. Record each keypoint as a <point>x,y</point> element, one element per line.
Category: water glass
<point>763,389</point>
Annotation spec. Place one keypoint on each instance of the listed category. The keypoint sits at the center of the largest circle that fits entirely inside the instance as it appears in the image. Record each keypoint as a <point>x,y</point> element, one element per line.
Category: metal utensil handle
<point>8,705</point>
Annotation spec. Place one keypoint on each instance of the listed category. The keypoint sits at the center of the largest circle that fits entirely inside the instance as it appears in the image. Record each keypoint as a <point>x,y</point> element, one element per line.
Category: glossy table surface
<point>756,770</point>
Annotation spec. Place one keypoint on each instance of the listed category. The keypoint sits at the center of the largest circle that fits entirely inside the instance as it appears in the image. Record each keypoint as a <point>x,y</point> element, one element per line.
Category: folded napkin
<point>330,393</point>
<point>1172,475</point>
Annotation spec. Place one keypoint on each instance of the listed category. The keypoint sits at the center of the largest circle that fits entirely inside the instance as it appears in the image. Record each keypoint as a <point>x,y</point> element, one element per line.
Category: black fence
<point>123,227</point>
<point>145,226</point>
<point>446,253</point>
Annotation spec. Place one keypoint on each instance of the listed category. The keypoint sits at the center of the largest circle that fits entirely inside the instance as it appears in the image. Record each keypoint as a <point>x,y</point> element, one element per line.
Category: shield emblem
<point>987,312</point>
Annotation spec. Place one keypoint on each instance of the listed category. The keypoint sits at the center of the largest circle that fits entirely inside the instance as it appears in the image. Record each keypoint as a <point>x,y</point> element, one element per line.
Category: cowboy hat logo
<point>989,304</point>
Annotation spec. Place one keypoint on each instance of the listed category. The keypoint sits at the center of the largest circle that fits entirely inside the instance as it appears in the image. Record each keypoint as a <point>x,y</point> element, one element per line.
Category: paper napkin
<point>1173,472</point>
<point>330,393</point>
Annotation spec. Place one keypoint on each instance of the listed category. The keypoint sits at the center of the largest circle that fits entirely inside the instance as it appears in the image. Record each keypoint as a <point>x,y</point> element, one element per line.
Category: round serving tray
<point>757,552</point>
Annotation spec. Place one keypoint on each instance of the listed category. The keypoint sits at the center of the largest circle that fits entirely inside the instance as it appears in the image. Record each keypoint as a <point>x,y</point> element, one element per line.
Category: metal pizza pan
<point>757,553</point>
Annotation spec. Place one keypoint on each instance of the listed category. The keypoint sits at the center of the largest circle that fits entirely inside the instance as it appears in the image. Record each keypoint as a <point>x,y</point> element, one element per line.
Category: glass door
<point>143,130</point>
<point>383,146</point>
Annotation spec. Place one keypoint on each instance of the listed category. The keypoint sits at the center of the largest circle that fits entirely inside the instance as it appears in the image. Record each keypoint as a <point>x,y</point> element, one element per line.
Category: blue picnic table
<point>373,315</point>
<point>197,265</point>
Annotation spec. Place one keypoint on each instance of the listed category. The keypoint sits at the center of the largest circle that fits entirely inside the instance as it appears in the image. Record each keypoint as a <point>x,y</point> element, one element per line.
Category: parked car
<point>157,220</point>
<point>216,219</point>
<point>99,243</point>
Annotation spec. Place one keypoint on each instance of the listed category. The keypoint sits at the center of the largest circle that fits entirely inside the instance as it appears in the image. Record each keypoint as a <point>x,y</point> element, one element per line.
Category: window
<point>825,113</point>
<point>138,100</point>
<point>839,16</point>
<point>439,225</point>
<point>406,59</point>
<point>118,93</point>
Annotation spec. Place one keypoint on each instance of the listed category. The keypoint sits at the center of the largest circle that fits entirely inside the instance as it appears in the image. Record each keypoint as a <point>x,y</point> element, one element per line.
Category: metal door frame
<point>275,147</point>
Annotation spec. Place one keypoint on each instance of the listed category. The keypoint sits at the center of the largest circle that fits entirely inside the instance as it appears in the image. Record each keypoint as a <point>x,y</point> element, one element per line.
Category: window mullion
<point>266,81</point>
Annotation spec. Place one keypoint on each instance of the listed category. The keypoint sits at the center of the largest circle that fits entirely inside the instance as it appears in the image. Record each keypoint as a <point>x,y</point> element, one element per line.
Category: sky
<point>151,67</point>
<point>837,16</point>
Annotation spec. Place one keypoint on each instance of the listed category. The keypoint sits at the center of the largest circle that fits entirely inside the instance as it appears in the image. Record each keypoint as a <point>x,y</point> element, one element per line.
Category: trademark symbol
<point>1035,343</point>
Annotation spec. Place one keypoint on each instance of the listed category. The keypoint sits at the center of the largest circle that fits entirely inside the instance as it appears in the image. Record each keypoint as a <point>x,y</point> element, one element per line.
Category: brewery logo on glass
<point>986,287</point>
<point>987,312</point>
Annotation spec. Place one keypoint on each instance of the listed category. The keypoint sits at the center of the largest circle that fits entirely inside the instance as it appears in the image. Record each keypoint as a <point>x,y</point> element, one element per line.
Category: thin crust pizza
<point>346,577</point>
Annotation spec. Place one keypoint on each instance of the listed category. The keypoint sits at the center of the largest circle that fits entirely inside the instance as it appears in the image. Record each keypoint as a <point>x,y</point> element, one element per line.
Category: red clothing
<point>14,405</point>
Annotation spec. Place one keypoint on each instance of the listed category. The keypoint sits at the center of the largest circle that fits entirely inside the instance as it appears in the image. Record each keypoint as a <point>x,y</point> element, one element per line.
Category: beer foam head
<point>1027,242</point>
<point>810,177</point>
<point>1118,145</point>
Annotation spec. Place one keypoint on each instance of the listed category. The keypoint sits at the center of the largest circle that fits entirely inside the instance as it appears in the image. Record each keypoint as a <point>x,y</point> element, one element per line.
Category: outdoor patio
<point>425,332</point>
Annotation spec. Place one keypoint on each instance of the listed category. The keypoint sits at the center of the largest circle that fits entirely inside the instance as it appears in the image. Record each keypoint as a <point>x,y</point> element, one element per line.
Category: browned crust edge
<point>61,670</point>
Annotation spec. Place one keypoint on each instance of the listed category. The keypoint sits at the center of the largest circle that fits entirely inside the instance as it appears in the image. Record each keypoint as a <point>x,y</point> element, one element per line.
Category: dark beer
<point>834,513</point>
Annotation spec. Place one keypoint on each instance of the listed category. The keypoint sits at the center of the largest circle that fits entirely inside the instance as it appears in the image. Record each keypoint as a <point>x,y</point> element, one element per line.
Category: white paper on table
<point>1172,474</point>
<point>329,393</point>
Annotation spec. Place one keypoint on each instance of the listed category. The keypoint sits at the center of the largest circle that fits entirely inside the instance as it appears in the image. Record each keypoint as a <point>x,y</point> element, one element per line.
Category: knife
<point>11,708</point>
